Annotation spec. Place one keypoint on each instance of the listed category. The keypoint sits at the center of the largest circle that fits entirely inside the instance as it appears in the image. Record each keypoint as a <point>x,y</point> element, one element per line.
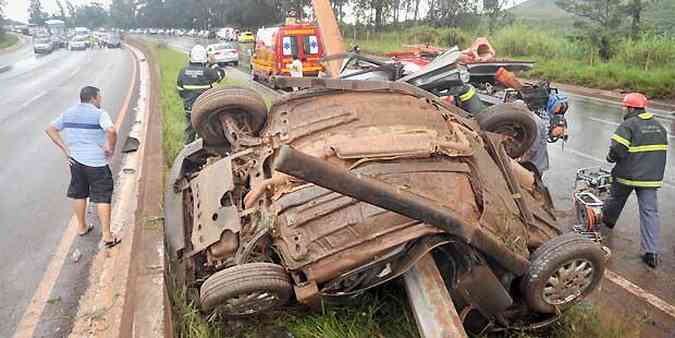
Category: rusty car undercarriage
<point>345,186</point>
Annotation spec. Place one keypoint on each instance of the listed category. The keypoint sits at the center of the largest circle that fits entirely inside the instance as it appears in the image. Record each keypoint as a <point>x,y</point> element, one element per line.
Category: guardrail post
<point>430,301</point>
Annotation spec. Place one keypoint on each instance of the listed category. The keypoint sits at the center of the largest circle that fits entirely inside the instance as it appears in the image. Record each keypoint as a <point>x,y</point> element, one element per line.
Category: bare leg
<point>80,208</point>
<point>103,210</point>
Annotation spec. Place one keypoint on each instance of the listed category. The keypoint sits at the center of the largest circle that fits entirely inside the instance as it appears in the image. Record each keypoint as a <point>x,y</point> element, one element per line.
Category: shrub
<point>649,51</point>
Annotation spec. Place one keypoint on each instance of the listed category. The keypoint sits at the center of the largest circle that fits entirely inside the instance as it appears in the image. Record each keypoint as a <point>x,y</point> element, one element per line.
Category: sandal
<point>88,230</point>
<point>112,243</point>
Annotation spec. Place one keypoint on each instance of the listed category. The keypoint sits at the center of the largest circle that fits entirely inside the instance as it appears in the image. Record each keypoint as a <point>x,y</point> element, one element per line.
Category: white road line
<point>641,293</point>
<point>33,99</point>
<point>615,103</point>
<point>612,123</point>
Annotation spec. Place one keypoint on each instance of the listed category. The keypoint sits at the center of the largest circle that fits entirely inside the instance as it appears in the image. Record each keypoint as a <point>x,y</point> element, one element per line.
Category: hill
<point>658,14</point>
<point>541,10</point>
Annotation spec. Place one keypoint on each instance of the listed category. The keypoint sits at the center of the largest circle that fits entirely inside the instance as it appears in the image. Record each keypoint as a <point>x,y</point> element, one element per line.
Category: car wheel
<point>236,63</point>
<point>244,104</point>
<point>564,272</point>
<point>513,120</point>
<point>246,289</point>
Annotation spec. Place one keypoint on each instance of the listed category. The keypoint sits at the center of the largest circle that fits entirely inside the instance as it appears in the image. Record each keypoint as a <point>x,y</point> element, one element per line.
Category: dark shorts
<point>93,182</point>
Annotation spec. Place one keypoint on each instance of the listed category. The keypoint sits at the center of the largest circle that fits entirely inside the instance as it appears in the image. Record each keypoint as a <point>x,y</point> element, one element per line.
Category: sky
<point>18,9</point>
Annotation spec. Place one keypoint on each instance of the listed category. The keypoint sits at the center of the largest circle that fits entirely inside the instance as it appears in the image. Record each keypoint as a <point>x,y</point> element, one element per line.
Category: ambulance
<point>275,47</point>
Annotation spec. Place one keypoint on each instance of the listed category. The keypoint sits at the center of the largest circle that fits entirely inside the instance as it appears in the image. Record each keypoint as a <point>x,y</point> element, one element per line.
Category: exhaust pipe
<point>314,170</point>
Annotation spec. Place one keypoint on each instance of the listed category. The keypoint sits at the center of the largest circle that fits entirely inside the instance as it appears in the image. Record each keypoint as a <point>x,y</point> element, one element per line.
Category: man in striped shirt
<point>88,142</point>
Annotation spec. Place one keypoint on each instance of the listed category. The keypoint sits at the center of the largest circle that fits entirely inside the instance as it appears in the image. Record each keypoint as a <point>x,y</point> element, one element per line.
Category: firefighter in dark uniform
<point>639,150</point>
<point>193,80</point>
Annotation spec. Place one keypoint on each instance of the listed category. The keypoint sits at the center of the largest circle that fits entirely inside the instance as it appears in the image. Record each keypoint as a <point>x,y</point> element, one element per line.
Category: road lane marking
<point>667,114</point>
<point>653,300</point>
<point>612,123</point>
<point>30,317</point>
<point>32,314</point>
<point>33,99</point>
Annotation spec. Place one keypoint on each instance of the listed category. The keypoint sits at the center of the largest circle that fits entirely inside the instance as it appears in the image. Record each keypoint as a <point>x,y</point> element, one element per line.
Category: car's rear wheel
<point>514,121</point>
<point>563,273</point>
<point>243,104</point>
<point>246,289</point>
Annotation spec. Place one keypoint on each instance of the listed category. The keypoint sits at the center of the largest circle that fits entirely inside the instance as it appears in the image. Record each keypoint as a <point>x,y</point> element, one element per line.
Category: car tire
<point>578,265</point>
<point>237,101</point>
<point>236,63</point>
<point>513,120</point>
<point>224,290</point>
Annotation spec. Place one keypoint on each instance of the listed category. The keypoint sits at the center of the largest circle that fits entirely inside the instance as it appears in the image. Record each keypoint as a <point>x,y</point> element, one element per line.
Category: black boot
<point>651,259</point>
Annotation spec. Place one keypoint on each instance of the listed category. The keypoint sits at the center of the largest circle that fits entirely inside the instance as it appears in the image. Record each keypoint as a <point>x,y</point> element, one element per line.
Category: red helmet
<point>635,100</point>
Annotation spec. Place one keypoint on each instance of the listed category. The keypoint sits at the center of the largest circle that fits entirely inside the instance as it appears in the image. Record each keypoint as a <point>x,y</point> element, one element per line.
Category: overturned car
<point>345,186</point>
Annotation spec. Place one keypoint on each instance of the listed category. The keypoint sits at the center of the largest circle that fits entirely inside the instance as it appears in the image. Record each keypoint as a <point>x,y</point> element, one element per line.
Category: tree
<point>62,11</point>
<point>634,10</point>
<point>71,10</point>
<point>2,19</point>
<point>494,11</point>
<point>36,14</point>
<point>600,20</point>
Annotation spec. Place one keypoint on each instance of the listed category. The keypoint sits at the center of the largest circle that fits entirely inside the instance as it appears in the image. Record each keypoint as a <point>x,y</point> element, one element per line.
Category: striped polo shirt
<point>84,132</point>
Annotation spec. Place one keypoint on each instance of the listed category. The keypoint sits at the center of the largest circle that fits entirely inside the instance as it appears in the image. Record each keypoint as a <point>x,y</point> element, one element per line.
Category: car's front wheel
<point>563,272</point>
<point>246,289</point>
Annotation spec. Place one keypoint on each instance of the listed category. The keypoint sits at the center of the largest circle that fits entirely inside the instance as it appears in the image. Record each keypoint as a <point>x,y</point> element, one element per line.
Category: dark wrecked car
<point>343,187</point>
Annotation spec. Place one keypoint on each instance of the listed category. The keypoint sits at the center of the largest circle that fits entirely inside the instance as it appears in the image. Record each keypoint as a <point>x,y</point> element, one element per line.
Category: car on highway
<point>78,43</point>
<point>43,45</point>
<point>112,40</point>
<point>224,53</point>
<point>246,37</point>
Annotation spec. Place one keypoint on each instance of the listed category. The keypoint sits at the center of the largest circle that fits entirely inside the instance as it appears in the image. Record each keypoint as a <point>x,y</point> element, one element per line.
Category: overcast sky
<point>18,9</point>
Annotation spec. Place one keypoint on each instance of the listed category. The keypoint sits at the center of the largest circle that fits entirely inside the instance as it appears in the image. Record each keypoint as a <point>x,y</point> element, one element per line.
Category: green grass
<point>171,62</point>
<point>8,40</point>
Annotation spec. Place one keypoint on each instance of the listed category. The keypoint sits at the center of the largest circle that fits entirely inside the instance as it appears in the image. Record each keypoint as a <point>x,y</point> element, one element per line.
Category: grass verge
<point>381,313</point>
<point>171,62</point>
<point>8,40</point>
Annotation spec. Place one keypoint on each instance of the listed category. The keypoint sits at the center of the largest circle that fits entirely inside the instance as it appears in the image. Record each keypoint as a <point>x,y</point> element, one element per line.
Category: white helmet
<point>198,54</point>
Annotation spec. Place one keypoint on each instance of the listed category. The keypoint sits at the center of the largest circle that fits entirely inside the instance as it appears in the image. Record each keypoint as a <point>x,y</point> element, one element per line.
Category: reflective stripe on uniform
<point>468,95</point>
<point>621,140</point>
<point>180,88</point>
<point>193,87</point>
<point>640,184</point>
<point>652,147</point>
<point>646,116</point>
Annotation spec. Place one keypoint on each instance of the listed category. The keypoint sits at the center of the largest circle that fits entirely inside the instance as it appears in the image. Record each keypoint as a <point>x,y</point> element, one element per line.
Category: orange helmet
<point>635,100</point>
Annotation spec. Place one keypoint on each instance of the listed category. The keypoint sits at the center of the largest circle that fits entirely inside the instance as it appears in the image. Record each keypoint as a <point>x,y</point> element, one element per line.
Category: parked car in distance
<point>246,37</point>
<point>224,53</point>
<point>43,45</point>
<point>78,43</point>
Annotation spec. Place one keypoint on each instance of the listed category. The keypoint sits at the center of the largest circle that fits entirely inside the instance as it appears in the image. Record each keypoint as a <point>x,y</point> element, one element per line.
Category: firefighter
<point>194,79</point>
<point>638,147</point>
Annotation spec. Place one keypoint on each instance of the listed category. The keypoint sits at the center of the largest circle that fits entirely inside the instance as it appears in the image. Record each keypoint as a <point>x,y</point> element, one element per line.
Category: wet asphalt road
<point>34,212</point>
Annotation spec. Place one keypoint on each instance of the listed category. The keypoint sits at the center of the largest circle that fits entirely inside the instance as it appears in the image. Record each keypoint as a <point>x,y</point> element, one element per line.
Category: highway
<point>591,124</point>
<point>34,212</point>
